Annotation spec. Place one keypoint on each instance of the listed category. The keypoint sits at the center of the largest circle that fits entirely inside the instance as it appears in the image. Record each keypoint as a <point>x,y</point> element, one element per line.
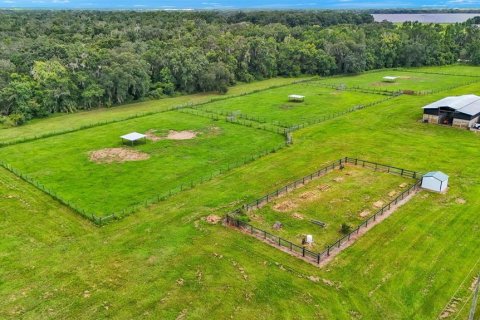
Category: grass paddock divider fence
<point>232,219</point>
<point>148,113</point>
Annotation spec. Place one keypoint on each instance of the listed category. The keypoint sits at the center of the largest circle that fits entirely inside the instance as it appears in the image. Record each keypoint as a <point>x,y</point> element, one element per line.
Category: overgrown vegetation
<point>65,61</point>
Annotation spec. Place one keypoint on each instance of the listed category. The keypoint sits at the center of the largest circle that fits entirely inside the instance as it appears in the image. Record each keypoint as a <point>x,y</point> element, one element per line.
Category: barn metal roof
<point>468,104</point>
<point>437,175</point>
<point>134,136</point>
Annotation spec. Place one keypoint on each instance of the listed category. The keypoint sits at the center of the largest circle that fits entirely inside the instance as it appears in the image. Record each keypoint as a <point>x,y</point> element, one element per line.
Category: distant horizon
<point>141,5</point>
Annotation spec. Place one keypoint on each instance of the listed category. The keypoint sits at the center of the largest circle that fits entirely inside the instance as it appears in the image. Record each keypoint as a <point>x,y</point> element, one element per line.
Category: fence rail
<point>232,218</point>
<point>102,220</point>
<point>146,114</point>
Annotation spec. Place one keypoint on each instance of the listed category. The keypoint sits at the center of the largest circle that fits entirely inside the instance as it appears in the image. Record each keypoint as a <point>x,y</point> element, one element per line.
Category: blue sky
<point>235,4</point>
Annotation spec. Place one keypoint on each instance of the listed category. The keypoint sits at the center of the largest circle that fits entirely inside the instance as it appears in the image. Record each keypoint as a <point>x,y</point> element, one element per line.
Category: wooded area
<point>64,61</point>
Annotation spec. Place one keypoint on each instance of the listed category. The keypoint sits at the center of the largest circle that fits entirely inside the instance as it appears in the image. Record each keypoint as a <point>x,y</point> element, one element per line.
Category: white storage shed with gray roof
<point>435,181</point>
<point>458,111</point>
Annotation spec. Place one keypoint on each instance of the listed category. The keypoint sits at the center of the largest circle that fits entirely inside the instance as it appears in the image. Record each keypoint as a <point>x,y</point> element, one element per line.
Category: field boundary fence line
<point>104,219</point>
<point>437,73</point>
<point>274,125</point>
<point>233,218</point>
<point>146,114</point>
<point>343,87</point>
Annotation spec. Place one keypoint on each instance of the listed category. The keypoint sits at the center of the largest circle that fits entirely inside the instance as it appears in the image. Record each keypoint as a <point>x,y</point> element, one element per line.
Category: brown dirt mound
<point>323,187</point>
<point>213,219</point>
<point>297,216</point>
<point>110,155</point>
<point>308,195</point>
<point>378,204</point>
<point>365,213</point>
<point>285,206</point>
<point>181,135</point>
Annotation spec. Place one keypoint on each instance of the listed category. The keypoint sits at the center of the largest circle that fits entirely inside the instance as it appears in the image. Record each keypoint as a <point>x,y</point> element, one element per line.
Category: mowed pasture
<point>406,81</point>
<point>75,121</point>
<point>166,262</point>
<point>347,196</point>
<point>97,173</point>
<point>459,70</point>
<point>273,106</point>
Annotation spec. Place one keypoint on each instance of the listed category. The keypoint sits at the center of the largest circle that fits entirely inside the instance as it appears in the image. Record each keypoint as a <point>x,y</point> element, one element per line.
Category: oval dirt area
<point>111,155</point>
<point>181,135</point>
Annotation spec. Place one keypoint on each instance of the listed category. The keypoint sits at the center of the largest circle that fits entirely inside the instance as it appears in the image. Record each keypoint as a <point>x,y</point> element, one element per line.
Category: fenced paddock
<point>273,106</point>
<point>63,164</point>
<point>234,219</point>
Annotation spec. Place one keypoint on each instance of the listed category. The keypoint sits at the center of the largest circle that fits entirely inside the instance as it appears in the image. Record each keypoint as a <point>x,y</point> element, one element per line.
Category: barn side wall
<point>460,123</point>
<point>430,118</point>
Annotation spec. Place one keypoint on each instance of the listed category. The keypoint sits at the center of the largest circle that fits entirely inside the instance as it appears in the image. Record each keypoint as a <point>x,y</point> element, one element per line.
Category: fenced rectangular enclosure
<point>318,205</point>
<point>98,176</point>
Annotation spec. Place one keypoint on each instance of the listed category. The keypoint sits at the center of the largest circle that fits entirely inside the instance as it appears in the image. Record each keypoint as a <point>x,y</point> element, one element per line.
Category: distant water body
<point>426,17</point>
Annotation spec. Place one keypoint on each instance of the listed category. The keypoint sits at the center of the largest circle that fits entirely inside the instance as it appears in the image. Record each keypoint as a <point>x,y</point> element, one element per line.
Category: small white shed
<point>435,181</point>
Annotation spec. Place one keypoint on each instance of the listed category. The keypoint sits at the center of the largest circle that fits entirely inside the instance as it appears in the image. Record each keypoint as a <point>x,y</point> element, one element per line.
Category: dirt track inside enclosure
<point>117,155</point>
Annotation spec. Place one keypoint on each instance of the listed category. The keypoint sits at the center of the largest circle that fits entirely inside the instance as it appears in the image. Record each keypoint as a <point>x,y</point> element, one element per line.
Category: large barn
<point>457,111</point>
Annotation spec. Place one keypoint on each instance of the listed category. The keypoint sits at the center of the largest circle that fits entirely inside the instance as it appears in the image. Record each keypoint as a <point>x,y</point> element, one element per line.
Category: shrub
<point>346,228</point>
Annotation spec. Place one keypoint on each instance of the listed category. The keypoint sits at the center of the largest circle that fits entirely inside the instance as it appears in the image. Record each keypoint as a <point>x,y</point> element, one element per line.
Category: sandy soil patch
<point>213,219</point>
<point>378,204</point>
<point>403,185</point>
<point>297,215</point>
<point>392,193</point>
<point>151,135</point>
<point>364,213</point>
<point>285,206</point>
<point>181,135</point>
<point>308,195</point>
<point>111,155</point>
<point>460,201</point>
<point>323,187</point>
<point>338,179</point>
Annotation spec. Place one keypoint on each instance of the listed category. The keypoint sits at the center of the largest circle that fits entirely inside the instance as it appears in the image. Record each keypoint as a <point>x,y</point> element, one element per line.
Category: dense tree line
<point>63,61</point>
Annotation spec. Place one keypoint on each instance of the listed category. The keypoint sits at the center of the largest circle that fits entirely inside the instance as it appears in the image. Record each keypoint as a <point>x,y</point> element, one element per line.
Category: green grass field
<point>166,262</point>
<point>346,196</point>
<point>63,122</point>
<point>453,70</point>
<point>63,165</point>
<point>414,81</point>
<point>273,106</point>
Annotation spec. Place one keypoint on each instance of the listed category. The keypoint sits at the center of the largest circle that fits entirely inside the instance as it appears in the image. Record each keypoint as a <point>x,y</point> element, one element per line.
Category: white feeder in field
<point>296,98</point>
<point>309,239</point>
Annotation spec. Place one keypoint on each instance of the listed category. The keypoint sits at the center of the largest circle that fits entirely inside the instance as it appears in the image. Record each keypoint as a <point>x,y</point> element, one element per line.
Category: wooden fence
<point>233,218</point>
<point>102,220</point>
<point>144,114</point>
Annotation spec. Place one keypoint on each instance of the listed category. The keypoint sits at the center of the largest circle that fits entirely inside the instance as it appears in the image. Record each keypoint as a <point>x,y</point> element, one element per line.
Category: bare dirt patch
<point>297,215</point>
<point>460,201</point>
<point>285,206</point>
<point>365,213</point>
<point>181,135</point>
<point>323,187</point>
<point>308,195</point>
<point>392,193</point>
<point>213,219</point>
<point>119,155</point>
<point>151,135</point>
<point>378,204</point>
